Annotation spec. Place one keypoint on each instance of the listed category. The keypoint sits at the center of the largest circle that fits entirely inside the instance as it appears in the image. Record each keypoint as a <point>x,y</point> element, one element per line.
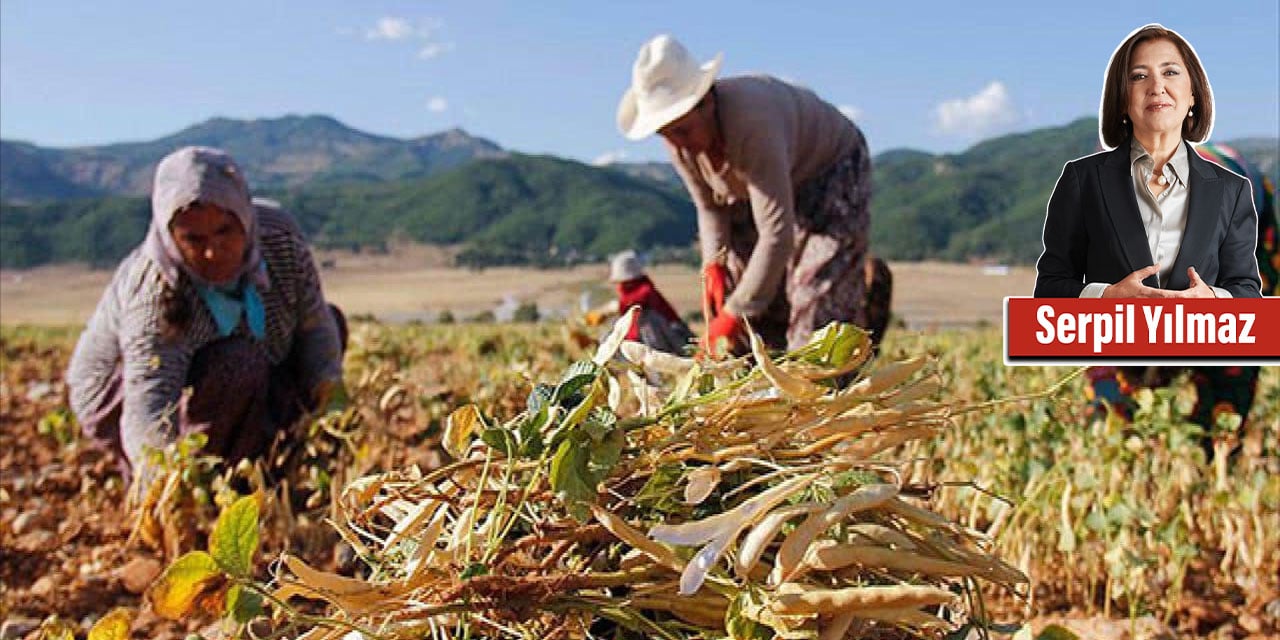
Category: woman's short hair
<point>1113,125</point>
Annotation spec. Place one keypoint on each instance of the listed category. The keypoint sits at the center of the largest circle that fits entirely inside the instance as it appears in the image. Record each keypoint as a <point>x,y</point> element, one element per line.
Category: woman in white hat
<point>782,183</point>
<point>657,325</point>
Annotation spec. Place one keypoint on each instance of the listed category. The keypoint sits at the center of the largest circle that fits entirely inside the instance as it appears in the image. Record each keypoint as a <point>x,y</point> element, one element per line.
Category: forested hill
<point>517,209</point>
<point>353,189</point>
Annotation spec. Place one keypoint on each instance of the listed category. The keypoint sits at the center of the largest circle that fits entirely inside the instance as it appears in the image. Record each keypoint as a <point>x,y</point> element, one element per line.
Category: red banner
<point>1142,330</point>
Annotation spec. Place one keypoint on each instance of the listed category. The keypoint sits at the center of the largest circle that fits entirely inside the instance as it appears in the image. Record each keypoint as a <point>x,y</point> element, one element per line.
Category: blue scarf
<point>229,305</point>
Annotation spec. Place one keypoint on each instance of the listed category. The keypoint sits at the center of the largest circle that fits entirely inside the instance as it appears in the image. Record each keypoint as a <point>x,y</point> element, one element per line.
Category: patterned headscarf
<point>208,176</point>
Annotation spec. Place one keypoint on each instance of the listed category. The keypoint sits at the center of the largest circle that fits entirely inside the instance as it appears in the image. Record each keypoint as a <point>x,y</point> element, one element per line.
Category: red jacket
<point>641,292</point>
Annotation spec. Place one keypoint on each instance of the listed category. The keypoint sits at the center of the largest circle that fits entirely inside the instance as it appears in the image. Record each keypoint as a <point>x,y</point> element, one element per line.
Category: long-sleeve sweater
<point>776,136</point>
<point>126,331</point>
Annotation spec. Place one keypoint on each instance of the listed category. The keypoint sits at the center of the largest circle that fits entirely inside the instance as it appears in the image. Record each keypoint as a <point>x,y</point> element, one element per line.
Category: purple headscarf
<point>208,176</point>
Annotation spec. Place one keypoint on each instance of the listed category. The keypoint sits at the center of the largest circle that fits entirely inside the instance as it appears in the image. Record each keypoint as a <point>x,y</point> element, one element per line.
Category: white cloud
<point>851,112</point>
<point>389,28</point>
<point>434,49</point>
<point>988,110</point>
<point>437,104</point>
<point>609,157</point>
<point>422,33</point>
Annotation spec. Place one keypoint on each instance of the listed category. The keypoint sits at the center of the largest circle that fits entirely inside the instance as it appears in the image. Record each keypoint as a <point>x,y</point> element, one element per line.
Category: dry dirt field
<point>410,284</point>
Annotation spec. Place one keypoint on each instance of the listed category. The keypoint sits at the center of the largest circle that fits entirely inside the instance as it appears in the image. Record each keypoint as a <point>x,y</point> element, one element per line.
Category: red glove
<point>715,279</point>
<point>723,332</point>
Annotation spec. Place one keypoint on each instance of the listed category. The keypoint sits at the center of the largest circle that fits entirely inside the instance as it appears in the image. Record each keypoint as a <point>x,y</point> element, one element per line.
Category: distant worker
<point>782,183</point>
<point>222,297</point>
<point>657,325</point>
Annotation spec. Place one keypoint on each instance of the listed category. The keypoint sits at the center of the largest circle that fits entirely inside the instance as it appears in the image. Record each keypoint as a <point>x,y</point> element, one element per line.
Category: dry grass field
<point>414,284</point>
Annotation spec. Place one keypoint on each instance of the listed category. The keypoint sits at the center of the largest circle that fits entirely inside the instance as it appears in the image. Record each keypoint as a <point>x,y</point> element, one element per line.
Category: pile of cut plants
<point>644,495</point>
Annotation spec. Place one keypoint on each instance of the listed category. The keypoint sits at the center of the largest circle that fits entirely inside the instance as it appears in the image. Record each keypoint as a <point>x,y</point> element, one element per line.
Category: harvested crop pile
<point>650,496</point>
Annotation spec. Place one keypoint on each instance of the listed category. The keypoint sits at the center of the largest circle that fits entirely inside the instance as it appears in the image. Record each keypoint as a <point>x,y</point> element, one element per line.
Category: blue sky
<point>546,77</point>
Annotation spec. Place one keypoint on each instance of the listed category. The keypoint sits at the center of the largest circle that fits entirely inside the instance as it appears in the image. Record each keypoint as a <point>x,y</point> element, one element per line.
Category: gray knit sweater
<point>126,330</point>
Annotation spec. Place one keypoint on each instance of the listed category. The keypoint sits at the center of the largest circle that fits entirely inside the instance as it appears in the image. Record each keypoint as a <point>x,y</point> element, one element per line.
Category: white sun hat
<point>666,82</point>
<point>625,266</point>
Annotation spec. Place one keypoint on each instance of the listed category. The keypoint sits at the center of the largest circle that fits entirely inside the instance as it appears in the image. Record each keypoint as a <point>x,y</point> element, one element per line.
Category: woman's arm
<point>1061,268</point>
<point>96,357</point>
<point>155,370</point>
<point>316,332</point>
<point>769,185</point>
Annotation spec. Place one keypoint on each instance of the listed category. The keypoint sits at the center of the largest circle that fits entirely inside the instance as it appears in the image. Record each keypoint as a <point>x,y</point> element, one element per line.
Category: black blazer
<point>1093,231</point>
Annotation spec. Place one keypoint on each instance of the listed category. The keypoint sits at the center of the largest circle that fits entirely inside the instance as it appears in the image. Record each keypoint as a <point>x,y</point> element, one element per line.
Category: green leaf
<point>1095,521</point>
<point>1056,632</point>
<point>530,434</point>
<point>500,439</point>
<point>604,454</point>
<point>474,569</point>
<point>235,537</point>
<point>833,345</point>
<point>599,423</point>
<point>661,491</point>
<point>540,397</point>
<point>243,604</point>
<point>569,475</point>
<point>191,444</point>
<point>596,393</point>
<point>741,626</point>
<point>58,424</point>
<point>193,575</point>
<point>578,376</point>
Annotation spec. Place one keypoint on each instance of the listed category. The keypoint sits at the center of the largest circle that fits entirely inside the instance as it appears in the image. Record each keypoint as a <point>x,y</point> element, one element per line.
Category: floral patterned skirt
<point>831,276</point>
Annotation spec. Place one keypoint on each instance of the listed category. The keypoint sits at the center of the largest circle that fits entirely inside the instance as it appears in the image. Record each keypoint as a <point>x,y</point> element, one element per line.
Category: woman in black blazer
<point>1150,218</point>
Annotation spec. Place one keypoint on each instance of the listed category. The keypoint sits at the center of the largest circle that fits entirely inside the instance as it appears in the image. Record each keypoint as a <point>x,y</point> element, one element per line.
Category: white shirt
<point>1164,216</point>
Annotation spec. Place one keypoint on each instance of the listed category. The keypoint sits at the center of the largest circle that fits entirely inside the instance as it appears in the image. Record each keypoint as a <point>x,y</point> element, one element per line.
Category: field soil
<point>65,547</point>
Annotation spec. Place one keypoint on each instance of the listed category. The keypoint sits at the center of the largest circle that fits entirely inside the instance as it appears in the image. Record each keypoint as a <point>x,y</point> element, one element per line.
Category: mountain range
<point>354,189</point>
<point>276,153</point>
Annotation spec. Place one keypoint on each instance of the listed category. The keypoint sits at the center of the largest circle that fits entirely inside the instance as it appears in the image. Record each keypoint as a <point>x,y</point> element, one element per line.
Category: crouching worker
<point>657,324</point>
<point>222,297</point>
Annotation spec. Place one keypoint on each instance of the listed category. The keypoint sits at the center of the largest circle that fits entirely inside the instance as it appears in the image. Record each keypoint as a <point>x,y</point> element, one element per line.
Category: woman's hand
<point>1131,286</point>
<point>715,283</point>
<point>1198,288</point>
<point>723,332</point>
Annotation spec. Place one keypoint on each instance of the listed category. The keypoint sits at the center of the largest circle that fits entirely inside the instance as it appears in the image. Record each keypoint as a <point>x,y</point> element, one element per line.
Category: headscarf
<point>209,176</point>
